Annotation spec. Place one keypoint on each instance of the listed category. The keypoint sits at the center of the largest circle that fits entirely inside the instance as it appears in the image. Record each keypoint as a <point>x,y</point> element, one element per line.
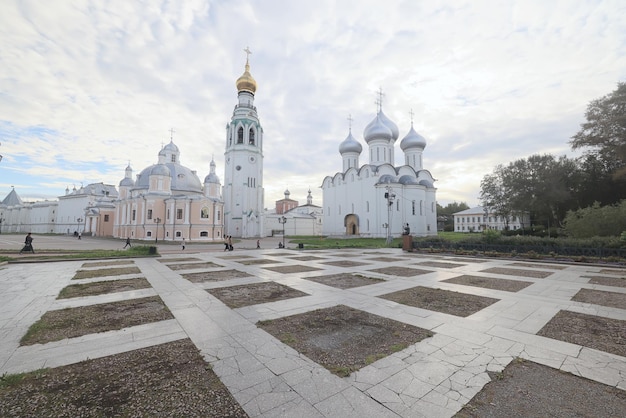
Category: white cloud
<point>488,82</point>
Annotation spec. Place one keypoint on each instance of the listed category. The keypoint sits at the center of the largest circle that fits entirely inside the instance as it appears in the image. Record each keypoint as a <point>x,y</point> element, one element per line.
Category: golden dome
<point>246,82</point>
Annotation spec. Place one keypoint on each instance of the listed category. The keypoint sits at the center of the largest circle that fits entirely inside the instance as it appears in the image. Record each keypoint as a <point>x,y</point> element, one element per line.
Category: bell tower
<point>243,177</point>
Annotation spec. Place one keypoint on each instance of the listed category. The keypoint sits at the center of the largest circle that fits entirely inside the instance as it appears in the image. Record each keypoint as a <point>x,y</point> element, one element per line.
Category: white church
<point>379,199</point>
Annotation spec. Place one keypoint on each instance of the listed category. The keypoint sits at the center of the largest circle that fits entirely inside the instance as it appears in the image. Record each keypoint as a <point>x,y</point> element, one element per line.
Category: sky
<point>88,86</point>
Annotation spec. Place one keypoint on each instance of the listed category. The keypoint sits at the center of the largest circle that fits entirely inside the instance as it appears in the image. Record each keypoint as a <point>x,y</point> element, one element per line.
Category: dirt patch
<point>469,260</point>
<point>165,380</point>
<point>234,257</point>
<point>101,288</point>
<point>75,322</point>
<point>291,269</point>
<point>489,283</point>
<point>258,261</point>
<point>345,263</point>
<point>307,258</point>
<point>253,294</point>
<point>440,264</point>
<point>517,272</point>
<point>607,281</point>
<point>599,297</point>
<point>617,272</point>
<point>400,271</point>
<point>215,276</point>
<point>525,388</point>
<point>114,271</point>
<point>189,266</point>
<point>178,259</point>
<point>385,259</point>
<point>446,301</point>
<point>345,280</point>
<point>343,339</point>
<point>108,263</point>
<point>539,266</point>
<point>604,334</point>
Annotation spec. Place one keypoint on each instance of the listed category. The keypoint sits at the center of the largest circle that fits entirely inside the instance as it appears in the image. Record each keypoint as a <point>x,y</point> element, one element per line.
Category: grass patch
<point>334,243</point>
<point>9,380</point>
<point>135,251</point>
<point>113,271</point>
<point>100,288</point>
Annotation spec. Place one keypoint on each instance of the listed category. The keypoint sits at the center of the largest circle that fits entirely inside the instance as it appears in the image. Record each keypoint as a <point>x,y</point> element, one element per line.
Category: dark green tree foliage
<point>596,221</point>
<point>604,133</point>
<point>448,211</point>
<point>542,185</point>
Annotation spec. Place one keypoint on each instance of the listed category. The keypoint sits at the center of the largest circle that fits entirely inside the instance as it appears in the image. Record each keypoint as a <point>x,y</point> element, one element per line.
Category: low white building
<point>478,219</point>
<point>294,219</point>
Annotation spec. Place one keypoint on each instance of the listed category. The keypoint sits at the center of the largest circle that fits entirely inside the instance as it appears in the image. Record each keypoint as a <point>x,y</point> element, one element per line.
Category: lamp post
<point>157,221</point>
<point>282,220</point>
<point>79,220</point>
<point>390,196</point>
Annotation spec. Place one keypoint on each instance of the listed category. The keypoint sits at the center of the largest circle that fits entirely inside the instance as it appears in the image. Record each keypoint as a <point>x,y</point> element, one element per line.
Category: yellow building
<point>167,201</point>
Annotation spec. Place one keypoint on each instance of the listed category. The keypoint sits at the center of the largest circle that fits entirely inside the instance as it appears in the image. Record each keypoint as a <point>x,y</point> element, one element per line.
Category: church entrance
<point>352,225</point>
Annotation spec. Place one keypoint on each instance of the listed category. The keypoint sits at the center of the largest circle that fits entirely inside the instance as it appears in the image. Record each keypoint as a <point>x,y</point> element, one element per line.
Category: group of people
<point>228,243</point>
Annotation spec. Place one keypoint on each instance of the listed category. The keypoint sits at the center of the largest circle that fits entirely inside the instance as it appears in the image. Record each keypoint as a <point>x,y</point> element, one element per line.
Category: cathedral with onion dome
<point>379,199</point>
<point>167,201</point>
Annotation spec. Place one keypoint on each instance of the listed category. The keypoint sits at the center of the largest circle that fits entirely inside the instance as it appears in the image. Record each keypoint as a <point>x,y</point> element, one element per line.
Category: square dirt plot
<point>75,322</point>
<point>489,283</point>
<point>344,263</point>
<point>166,380</point>
<point>101,288</point>
<point>470,260</point>
<point>539,266</point>
<point>518,272</point>
<point>214,276</point>
<point>386,259</point>
<point>279,254</point>
<point>616,272</point>
<point>400,271</point>
<point>528,389</point>
<point>113,271</point>
<point>189,266</point>
<point>345,280</point>
<point>258,261</point>
<point>440,264</point>
<point>607,281</point>
<point>253,294</point>
<point>599,297</point>
<point>343,339</point>
<point>178,259</point>
<point>234,257</point>
<point>307,258</point>
<point>291,269</point>
<point>446,301</point>
<point>604,334</point>
<point>108,263</point>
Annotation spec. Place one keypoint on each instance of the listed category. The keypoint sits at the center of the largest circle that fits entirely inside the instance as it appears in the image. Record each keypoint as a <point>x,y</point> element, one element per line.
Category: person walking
<point>28,244</point>
<point>127,243</point>
<point>183,244</point>
<point>258,244</point>
<point>225,242</point>
<point>230,243</point>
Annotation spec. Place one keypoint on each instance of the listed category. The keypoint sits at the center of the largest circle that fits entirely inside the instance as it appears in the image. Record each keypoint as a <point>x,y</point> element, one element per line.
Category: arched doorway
<point>352,224</point>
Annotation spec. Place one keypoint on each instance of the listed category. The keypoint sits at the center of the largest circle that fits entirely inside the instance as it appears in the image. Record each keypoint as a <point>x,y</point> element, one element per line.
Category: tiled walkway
<point>433,378</point>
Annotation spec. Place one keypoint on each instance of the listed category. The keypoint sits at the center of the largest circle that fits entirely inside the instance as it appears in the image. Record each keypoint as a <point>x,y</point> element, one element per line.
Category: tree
<point>542,185</point>
<point>448,211</point>
<point>596,220</point>
<point>605,130</point>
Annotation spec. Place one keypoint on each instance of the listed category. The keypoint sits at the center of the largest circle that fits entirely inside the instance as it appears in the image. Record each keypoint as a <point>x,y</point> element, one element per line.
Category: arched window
<point>240,135</point>
<point>251,137</point>
<point>204,213</point>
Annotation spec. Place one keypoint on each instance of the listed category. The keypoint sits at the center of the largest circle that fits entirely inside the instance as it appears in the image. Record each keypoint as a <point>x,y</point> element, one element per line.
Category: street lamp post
<point>282,220</point>
<point>157,221</point>
<point>79,220</point>
<point>390,196</point>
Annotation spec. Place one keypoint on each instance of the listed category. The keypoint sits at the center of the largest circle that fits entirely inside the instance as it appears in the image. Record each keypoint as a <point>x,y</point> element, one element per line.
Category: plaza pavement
<point>432,378</point>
